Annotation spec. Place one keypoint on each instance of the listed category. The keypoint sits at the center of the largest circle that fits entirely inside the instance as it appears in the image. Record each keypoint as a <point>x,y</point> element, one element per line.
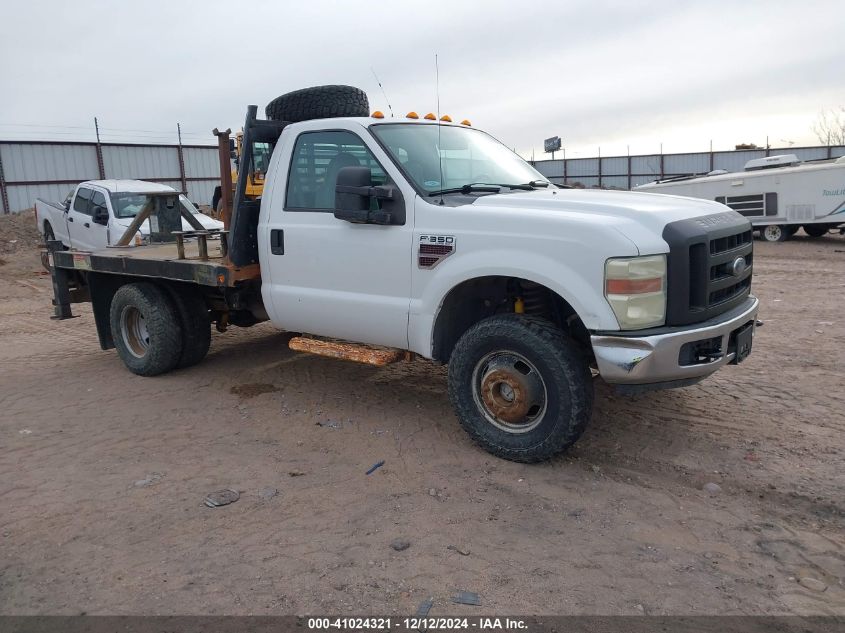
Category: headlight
<point>635,287</point>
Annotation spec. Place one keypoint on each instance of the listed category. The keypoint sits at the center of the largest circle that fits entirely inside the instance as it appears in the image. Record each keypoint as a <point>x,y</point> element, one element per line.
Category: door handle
<point>87,225</point>
<point>70,219</point>
<point>277,241</point>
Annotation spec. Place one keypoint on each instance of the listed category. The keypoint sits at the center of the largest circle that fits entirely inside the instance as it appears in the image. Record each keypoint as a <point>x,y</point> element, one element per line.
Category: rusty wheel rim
<point>509,391</point>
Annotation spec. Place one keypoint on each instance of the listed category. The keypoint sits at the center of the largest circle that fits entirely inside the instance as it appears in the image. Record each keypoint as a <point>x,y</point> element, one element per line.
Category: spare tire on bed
<point>319,102</point>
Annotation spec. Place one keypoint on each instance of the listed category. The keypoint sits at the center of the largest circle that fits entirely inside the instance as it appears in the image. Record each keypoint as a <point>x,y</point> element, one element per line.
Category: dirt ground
<point>103,476</point>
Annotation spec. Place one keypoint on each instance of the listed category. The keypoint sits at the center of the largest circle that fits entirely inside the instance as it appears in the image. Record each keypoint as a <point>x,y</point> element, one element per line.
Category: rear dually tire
<point>146,329</point>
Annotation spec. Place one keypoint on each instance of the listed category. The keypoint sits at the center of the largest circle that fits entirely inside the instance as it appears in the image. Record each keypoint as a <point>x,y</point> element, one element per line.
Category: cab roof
<point>128,186</point>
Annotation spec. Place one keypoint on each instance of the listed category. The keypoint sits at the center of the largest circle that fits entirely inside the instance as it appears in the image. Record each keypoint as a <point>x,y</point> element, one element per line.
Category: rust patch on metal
<point>347,351</point>
<point>242,273</point>
<point>509,404</point>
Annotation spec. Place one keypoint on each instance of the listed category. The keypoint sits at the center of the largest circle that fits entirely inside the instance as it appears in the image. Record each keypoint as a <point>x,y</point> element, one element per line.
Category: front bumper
<point>664,357</point>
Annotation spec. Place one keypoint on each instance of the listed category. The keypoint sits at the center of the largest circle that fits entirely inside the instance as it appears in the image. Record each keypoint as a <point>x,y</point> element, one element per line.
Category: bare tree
<point>830,126</point>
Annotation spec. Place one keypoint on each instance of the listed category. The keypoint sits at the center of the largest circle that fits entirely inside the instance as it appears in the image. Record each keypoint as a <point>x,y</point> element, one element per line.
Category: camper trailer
<point>778,194</point>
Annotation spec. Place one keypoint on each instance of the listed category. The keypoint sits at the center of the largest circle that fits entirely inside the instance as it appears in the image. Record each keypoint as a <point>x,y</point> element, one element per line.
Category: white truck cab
<point>411,233</point>
<point>474,214</point>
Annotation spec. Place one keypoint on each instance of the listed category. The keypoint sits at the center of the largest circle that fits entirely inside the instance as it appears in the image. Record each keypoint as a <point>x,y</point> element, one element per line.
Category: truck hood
<point>207,222</point>
<point>652,210</point>
<point>640,217</point>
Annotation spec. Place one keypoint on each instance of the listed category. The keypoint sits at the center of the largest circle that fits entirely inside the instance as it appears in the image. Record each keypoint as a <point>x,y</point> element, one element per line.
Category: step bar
<point>377,356</point>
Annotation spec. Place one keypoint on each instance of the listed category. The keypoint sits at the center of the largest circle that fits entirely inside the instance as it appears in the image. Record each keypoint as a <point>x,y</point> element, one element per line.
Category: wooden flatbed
<point>160,261</point>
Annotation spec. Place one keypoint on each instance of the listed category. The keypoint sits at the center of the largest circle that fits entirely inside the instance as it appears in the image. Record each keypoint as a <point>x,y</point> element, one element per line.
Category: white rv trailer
<point>779,194</point>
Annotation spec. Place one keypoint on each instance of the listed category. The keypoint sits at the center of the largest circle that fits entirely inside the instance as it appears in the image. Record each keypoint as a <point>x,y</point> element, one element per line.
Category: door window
<point>317,159</point>
<point>83,198</point>
<point>98,201</point>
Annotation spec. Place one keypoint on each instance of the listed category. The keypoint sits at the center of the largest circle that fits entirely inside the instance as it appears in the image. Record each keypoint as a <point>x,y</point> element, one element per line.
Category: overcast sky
<point>615,75</point>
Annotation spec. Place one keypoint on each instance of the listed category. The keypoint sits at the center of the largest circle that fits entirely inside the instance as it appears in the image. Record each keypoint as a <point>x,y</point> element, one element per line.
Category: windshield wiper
<point>539,183</point>
<point>468,189</point>
<point>486,187</point>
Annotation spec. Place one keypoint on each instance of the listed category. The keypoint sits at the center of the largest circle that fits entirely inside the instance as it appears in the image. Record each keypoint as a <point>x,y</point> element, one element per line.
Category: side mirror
<point>101,215</point>
<point>353,192</point>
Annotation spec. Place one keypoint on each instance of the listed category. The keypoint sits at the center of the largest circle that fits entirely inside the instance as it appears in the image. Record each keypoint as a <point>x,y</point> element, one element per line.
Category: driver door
<point>79,220</point>
<point>324,275</point>
<point>98,234</point>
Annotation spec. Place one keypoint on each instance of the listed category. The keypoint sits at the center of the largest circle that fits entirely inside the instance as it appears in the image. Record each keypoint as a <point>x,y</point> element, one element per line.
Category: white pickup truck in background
<point>96,213</point>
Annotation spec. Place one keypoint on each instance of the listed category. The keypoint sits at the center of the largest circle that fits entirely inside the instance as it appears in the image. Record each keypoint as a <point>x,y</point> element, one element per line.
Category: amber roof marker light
<point>412,115</point>
<point>378,114</point>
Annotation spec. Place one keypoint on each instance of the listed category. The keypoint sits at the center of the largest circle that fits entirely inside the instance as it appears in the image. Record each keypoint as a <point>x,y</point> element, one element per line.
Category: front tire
<point>146,329</point>
<point>774,233</point>
<point>520,387</point>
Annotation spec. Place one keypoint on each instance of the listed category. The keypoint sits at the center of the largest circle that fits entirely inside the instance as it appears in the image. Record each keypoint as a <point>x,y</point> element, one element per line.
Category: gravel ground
<point>722,498</point>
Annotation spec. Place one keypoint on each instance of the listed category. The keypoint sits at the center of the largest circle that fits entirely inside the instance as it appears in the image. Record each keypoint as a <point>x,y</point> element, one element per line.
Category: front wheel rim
<point>133,328</point>
<point>509,391</point>
<point>772,233</point>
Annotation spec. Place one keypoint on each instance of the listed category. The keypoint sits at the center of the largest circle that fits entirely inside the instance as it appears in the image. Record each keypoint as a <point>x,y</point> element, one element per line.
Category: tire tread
<point>561,354</point>
<point>195,322</point>
<point>319,102</point>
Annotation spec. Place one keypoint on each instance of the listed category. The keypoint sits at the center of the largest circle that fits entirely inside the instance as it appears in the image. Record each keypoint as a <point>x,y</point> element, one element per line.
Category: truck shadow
<point>667,428</point>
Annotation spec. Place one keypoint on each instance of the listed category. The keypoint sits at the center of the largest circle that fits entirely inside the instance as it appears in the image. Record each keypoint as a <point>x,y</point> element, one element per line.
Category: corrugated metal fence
<point>626,172</point>
<point>49,169</point>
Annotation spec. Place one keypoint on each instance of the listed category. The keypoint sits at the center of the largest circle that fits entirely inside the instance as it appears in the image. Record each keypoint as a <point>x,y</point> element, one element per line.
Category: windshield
<point>128,205</point>
<point>468,156</point>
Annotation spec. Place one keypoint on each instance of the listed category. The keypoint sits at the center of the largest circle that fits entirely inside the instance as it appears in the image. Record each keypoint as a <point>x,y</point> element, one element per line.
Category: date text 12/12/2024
<point>414,624</point>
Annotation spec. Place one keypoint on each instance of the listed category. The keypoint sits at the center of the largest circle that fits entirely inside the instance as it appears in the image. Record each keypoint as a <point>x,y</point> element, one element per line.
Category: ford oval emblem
<point>738,267</point>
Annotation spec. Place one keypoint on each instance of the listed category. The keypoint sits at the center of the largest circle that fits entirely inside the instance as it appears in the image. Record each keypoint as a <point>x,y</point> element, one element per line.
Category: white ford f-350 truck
<point>381,238</point>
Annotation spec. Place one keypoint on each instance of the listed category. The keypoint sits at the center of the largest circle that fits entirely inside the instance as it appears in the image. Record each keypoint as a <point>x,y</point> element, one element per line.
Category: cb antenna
<point>389,107</point>
<point>439,125</point>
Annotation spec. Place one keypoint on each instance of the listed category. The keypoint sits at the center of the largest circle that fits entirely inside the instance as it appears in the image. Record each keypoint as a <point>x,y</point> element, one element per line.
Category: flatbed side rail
<point>204,273</point>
